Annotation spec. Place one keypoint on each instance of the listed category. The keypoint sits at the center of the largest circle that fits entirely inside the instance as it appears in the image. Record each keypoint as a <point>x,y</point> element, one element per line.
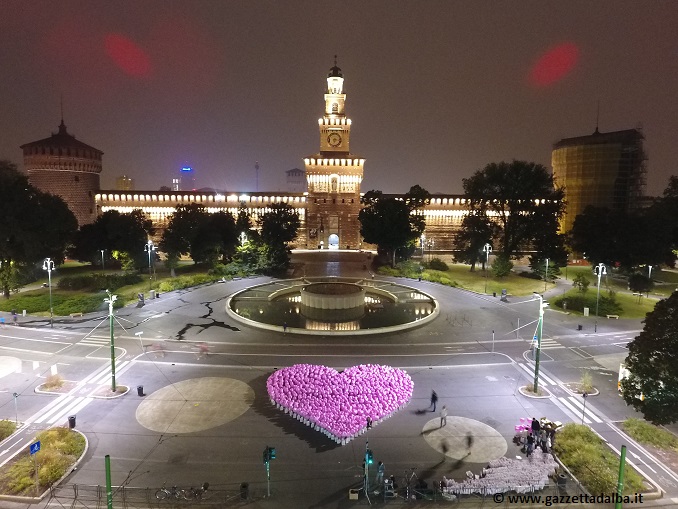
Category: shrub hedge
<point>592,462</point>
<point>95,282</point>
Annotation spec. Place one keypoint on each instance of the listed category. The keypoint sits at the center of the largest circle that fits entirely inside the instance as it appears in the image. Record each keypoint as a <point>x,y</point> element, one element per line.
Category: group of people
<point>15,318</point>
<point>539,436</point>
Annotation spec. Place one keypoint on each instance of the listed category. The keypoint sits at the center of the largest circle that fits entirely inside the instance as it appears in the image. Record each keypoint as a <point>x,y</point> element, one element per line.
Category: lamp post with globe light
<point>537,351</point>
<point>48,265</point>
<point>110,300</point>
<point>149,248</point>
<point>599,270</point>
<point>487,249</point>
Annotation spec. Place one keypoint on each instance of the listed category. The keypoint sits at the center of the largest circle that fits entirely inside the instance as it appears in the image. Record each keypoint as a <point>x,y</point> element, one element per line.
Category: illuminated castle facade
<point>328,209</point>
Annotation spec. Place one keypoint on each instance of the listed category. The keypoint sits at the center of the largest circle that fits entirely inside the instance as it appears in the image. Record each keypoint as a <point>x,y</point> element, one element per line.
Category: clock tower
<point>333,176</point>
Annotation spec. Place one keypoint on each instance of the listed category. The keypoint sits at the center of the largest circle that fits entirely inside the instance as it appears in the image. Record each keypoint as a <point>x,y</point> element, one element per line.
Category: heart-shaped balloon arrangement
<point>340,404</point>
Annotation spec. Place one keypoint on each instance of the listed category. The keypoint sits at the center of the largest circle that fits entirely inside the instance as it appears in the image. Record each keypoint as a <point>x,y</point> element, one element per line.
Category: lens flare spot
<point>554,65</point>
<point>127,55</point>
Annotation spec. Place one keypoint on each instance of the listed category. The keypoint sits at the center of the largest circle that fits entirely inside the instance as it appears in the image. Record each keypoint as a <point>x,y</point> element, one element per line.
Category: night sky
<point>436,90</point>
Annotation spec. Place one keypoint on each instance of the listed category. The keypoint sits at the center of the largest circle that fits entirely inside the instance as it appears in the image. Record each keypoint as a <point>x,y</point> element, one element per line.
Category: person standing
<point>15,318</point>
<point>379,481</point>
<point>284,327</point>
<point>434,400</point>
<point>443,416</point>
<point>530,444</point>
<point>535,425</point>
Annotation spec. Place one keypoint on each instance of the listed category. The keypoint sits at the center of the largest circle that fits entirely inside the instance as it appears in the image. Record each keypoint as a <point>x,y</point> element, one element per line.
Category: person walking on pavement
<point>443,416</point>
<point>434,400</point>
<point>379,481</point>
<point>469,443</point>
<point>15,318</point>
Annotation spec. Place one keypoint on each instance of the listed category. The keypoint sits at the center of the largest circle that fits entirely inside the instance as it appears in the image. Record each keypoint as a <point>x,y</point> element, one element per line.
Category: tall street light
<point>422,241</point>
<point>487,249</point>
<point>48,265</point>
<point>110,300</point>
<point>102,259</point>
<point>537,351</point>
<point>599,270</point>
<point>546,274</point>
<point>149,248</point>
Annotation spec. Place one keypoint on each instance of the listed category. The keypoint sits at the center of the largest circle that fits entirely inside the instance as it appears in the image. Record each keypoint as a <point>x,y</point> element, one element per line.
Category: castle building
<point>326,194</point>
<point>66,167</point>
<point>333,176</point>
<point>601,169</point>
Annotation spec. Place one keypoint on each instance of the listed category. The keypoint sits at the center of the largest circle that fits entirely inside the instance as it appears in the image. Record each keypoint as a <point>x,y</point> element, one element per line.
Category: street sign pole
<point>109,488</point>
<point>35,447</point>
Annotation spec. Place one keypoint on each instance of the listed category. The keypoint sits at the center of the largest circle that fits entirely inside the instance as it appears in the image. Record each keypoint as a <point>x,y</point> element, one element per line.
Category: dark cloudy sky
<point>436,90</point>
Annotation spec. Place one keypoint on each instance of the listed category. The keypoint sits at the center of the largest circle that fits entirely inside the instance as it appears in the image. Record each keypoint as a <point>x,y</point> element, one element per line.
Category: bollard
<point>71,421</point>
<point>140,390</point>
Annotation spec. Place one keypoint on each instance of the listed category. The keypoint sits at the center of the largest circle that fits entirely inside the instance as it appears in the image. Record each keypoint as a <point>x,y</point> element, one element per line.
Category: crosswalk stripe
<point>103,377</point>
<point>72,410</point>
<point>94,342</point>
<point>542,377</point>
<point>66,401</point>
<point>586,411</point>
<point>573,409</point>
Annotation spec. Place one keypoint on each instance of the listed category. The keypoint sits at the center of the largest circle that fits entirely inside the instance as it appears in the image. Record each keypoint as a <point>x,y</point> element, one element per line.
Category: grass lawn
<point>475,281</point>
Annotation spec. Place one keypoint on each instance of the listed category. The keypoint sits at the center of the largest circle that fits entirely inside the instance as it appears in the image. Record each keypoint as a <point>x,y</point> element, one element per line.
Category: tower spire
<point>597,116</point>
<point>62,126</point>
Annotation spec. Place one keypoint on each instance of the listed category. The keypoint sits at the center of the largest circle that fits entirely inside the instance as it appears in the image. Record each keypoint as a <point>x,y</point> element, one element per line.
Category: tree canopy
<point>653,365</point>
<point>121,236</point>
<point>36,225</point>
<point>623,239</point>
<point>389,223</point>
<point>523,199</point>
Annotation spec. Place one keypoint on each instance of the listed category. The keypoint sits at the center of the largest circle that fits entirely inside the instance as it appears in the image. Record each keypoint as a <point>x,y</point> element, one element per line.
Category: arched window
<point>335,108</point>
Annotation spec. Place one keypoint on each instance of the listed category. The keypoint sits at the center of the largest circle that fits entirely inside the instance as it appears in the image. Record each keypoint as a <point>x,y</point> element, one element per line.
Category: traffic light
<point>269,454</point>
<point>369,457</point>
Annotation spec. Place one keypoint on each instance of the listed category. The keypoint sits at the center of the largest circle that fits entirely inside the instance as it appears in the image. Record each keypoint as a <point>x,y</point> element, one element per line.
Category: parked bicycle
<point>165,493</point>
<point>196,493</point>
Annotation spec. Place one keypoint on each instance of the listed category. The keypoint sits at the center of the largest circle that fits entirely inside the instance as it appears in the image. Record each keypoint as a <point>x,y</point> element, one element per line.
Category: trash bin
<point>71,421</point>
<point>494,294</point>
<point>562,480</point>
<point>244,490</point>
<point>140,390</point>
<point>151,294</point>
<point>579,327</point>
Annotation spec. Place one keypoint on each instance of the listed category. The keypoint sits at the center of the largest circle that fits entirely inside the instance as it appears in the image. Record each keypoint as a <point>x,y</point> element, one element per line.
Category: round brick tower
<point>65,167</point>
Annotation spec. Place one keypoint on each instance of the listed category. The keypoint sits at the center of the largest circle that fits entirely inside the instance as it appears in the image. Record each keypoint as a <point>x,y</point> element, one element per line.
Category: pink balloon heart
<point>340,403</point>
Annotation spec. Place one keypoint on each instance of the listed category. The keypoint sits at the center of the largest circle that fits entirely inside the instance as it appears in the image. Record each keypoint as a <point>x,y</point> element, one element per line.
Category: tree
<point>243,223</point>
<point>123,236</point>
<point>523,198</point>
<point>476,231</point>
<point>626,239</point>
<point>640,283</point>
<point>652,386</point>
<point>388,223</point>
<point>417,197</point>
<point>279,227</point>
<point>183,226</point>
<point>35,225</point>
<point>581,283</point>
<point>215,239</point>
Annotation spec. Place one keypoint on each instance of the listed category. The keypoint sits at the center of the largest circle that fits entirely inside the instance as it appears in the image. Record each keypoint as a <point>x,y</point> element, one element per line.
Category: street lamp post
<point>537,351</point>
<point>102,259</point>
<point>110,300</point>
<point>546,274</point>
<point>48,265</point>
<point>149,248</point>
<point>599,270</point>
<point>422,244</point>
<point>487,249</point>
<point>16,408</point>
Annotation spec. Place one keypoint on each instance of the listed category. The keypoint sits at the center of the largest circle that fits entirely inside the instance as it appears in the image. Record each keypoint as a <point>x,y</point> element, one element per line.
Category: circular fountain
<point>332,305</point>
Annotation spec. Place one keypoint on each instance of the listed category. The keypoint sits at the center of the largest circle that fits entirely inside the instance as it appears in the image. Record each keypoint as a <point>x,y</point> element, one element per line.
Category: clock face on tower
<point>334,139</point>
